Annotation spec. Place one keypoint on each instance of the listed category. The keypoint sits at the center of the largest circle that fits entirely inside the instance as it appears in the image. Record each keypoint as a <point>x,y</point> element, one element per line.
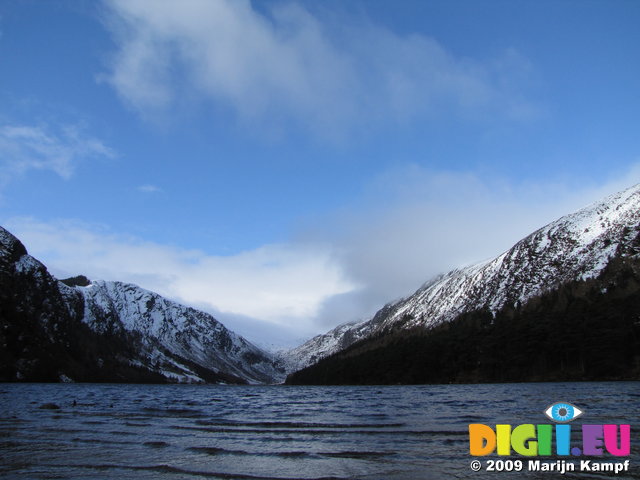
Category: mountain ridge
<point>583,330</point>
<point>575,246</point>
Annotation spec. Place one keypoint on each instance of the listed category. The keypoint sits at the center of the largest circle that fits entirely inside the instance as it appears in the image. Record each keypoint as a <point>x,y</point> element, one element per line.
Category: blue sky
<point>290,166</point>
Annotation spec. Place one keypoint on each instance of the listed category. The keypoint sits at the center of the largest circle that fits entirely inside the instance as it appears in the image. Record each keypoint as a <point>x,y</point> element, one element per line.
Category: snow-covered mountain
<point>144,329</point>
<point>56,328</point>
<point>576,246</point>
<point>171,333</point>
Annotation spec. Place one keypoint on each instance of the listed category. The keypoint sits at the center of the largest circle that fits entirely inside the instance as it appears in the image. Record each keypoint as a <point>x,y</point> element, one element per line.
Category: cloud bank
<point>287,65</point>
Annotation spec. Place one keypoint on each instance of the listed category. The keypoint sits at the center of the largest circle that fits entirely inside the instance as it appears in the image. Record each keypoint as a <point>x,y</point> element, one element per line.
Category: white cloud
<point>148,188</point>
<point>289,65</point>
<point>24,148</point>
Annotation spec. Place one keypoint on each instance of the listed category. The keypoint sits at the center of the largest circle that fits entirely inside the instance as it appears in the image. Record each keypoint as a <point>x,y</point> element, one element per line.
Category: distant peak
<point>78,281</point>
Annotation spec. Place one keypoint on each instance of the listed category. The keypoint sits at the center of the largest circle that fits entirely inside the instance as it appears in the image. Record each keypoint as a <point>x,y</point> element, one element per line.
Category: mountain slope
<point>575,247</point>
<point>172,335</point>
<point>111,331</point>
<point>580,330</point>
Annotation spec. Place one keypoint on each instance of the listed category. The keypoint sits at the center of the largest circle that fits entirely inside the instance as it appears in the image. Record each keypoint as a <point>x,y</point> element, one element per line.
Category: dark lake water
<point>280,432</point>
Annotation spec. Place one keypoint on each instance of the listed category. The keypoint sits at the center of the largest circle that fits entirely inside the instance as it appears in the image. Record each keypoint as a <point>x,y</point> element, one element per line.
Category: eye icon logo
<point>563,412</point>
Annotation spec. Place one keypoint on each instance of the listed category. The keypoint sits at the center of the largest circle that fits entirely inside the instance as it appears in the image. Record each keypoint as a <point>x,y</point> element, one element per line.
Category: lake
<point>282,432</point>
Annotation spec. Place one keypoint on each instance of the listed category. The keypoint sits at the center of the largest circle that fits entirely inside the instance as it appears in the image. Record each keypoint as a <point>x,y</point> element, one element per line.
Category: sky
<point>291,166</point>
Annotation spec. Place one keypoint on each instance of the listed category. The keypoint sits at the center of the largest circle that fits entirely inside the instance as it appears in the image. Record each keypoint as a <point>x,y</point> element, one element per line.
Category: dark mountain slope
<point>580,330</point>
